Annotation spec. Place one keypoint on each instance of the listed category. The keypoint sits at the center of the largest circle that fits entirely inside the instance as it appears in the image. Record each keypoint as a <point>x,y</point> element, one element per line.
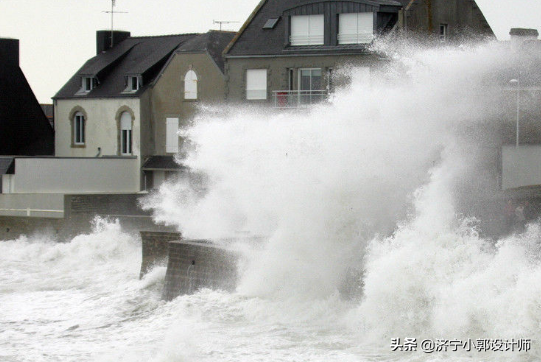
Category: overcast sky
<point>58,36</point>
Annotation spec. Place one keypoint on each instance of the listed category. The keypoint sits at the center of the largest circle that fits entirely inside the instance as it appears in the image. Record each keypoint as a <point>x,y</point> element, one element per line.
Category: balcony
<point>292,99</point>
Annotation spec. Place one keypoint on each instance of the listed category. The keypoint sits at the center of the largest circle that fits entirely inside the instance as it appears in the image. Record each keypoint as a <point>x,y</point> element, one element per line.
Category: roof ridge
<point>162,36</point>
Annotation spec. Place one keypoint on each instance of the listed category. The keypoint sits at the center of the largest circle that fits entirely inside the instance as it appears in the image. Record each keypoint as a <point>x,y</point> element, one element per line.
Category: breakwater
<point>191,264</point>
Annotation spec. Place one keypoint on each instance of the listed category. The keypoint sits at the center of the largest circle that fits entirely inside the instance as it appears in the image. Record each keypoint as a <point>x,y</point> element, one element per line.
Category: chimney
<point>103,39</point>
<point>521,35</point>
<point>9,52</point>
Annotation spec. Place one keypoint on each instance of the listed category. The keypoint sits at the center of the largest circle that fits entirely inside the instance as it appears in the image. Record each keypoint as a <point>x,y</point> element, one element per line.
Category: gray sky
<point>58,36</point>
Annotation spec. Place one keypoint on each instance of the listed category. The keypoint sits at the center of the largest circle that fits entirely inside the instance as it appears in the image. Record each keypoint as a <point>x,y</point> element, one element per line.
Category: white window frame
<point>126,134</point>
<point>190,85</point>
<point>307,30</point>
<point>311,70</point>
<point>134,83</point>
<point>444,32</point>
<point>256,84</point>
<point>171,135</point>
<point>88,83</point>
<point>355,28</point>
<point>79,124</point>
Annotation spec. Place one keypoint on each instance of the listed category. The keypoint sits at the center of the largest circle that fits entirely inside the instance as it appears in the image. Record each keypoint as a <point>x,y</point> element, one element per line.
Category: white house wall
<point>101,128</point>
<point>34,205</point>
<point>75,175</point>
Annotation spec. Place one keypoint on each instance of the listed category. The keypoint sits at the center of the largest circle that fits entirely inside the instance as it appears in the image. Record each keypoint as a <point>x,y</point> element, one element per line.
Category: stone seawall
<point>79,211</point>
<point>196,264</point>
<point>155,249</point>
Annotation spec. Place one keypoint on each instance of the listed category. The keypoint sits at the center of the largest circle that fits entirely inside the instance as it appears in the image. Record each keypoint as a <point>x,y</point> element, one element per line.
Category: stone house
<point>129,101</point>
<point>116,124</point>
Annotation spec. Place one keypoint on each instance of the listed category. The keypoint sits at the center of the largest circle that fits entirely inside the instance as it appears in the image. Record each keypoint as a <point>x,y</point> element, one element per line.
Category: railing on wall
<point>298,98</point>
<point>31,212</point>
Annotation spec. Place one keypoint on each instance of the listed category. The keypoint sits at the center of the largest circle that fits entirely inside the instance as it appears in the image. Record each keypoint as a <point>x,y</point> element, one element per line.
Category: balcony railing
<point>298,98</point>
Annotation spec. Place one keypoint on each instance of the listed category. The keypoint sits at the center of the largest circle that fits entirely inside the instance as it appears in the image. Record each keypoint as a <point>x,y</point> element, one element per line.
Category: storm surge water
<point>369,194</point>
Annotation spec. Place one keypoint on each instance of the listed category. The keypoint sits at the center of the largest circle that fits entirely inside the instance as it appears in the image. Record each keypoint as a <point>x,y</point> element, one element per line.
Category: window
<point>307,30</point>
<point>190,85</point>
<point>290,84</point>
<point>171,137</point>
<point>133,84</point>
<point>88,83</point>
<point>310,85</point>
<point>355,28</point>
<point>256,84</point>
<point>310,79</point>
<point>125,134</point>
<point>271,23</point>
<point>443,32</point>
<point>79,129</point>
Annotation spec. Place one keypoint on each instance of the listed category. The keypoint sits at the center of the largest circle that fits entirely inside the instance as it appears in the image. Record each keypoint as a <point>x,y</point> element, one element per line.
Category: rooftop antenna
<point>113,12</point>
<point>224,22</point>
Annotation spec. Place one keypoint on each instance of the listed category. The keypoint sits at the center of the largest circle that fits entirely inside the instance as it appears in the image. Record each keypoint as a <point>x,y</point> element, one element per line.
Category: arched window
<point>125,134</point>
<point>79,129</point>
<point>190,85</point>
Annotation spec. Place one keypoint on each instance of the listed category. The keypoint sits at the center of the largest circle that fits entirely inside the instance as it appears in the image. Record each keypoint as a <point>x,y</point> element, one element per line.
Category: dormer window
<point>355,28</point>
<point>307,30</point>
<point>133,84</point>
<point>88,83</point>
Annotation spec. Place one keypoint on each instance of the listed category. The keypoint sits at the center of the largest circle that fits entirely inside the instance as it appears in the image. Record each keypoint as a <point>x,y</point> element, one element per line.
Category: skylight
<point>271,23</point>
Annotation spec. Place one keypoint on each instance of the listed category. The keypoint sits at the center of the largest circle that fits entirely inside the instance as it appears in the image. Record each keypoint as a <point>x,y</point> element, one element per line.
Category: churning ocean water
<point>376,182</point>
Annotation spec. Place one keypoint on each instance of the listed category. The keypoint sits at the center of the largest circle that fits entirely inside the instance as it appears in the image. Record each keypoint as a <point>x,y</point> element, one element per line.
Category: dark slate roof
<point>48,109</point>
<point>252,39</point>
<point>213,42</point>
<point>144,56</point>
<point>162,163</point>
<point>7,166</point>
<point>24,129</point>
<point>100,63</point>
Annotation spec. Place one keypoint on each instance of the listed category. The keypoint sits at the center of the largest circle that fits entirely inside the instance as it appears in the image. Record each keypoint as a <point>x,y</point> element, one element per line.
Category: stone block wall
<point>155,249</point>
<point>195,264</point>
<point>104,204</point>
<point>79,211</point>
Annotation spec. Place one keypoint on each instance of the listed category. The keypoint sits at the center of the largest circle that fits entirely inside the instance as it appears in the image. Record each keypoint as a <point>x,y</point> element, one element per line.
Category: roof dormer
<point>88,83</point>
<point>134,82</point>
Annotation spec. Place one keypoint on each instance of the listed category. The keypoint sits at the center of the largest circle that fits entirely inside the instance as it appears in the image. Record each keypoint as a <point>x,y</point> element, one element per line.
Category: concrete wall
<point>33,205</point>
<point>79,212</point>
<point>278,76</point>
<point>155,249</point>
<point>193,265</point>
<point>73,175</point>
<point>168,93</point>
<point>521,167</point>
<point>102,127</point>
<point>105,205</point>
